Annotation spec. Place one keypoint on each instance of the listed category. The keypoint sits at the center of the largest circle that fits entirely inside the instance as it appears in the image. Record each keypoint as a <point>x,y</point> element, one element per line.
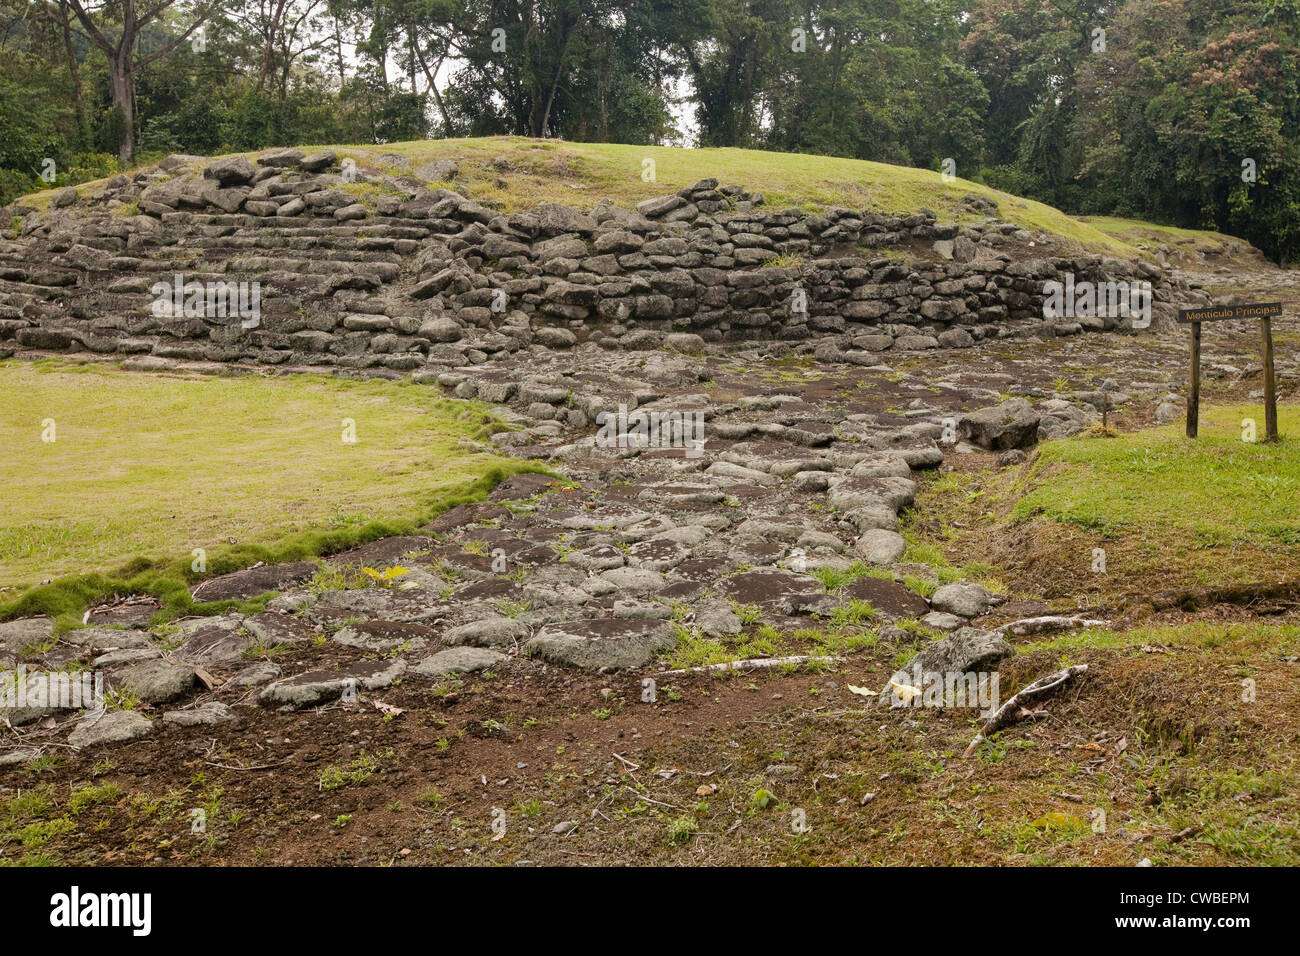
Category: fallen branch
<point>641,796</point>
<point>1006,712</point>
<point>1040,625</point>
<point>752,664</point>
<point>260,766</point>
<point>627,763</point>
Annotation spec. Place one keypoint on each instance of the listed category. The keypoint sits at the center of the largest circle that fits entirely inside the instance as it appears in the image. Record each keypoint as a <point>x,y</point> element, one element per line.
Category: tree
<point>115,27</point>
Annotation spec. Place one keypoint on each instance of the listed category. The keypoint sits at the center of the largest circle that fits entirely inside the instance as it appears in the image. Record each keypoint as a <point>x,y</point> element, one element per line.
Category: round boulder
<point>963,599</point>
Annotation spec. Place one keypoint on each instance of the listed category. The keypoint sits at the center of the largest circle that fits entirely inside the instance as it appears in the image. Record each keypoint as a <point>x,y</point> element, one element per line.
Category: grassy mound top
<point>547,170</point>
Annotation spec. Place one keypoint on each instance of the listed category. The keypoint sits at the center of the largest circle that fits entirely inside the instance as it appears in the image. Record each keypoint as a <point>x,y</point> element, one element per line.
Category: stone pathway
<point>782,444</point>
<point>801,465</point>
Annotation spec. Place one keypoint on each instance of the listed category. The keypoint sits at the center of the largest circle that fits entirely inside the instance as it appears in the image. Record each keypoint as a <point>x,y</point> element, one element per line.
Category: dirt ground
<point>780,768</point>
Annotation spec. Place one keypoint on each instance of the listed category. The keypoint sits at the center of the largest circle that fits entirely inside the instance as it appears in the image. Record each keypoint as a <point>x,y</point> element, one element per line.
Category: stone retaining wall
<point>415,277</point>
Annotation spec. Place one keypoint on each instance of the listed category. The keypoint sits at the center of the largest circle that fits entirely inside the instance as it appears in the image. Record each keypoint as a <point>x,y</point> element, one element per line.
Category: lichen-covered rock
<point>318,162</point>
<point>440,170</point>
<point>1012,424</point>
<point>207,714</point>
<point>98,728</point>
<point>281,158</point>
<point>240,585</point>
<point>965,651</point>
<point>16,636</point>
<point>963,598</point>
<point>602,644</point>
<point>458,660</point>
<point>233,171</point>
<point>155,681</point>
<point>880,546</point>
<point>319,687</point>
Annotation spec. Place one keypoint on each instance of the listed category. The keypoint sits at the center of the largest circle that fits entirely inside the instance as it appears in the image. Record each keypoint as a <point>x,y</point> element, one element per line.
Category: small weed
<point>682,829</point>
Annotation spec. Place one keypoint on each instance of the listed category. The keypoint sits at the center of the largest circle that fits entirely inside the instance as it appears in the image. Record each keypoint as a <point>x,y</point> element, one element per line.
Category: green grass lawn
<point>1167,512</point>
<point>1134,231</point>
<point>581,174</point>
<point>558,171</point>
<point>1214,491</point>
<point>145,468</point>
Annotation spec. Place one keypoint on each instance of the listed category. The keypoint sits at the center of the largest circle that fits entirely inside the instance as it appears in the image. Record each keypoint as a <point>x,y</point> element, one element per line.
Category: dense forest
<point>1180,111</point>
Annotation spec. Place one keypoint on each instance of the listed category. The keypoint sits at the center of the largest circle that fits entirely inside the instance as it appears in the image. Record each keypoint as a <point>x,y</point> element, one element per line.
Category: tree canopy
<point>1180,111</point>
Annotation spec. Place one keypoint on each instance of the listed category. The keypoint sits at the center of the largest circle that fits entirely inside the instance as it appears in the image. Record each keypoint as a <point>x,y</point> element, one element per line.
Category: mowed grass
<point>1134,231</point>
<point>147,467</point>
<point>1214,492</point>
<point>582,174</point>
<point>1095,518</point>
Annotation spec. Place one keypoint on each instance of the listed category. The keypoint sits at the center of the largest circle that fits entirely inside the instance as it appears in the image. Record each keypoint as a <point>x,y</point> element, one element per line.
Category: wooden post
<point>1270,384</point>
<point>1215,313</point>
<point>1194,396</point>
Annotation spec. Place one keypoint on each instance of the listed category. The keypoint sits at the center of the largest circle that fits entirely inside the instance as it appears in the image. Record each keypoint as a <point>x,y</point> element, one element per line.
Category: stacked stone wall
<point>370,269</point>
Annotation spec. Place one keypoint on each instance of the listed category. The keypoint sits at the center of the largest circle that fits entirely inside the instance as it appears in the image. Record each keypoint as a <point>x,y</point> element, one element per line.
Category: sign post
<point>1264,311</point>
<point>1194,392</point>
<point>1270,385</point>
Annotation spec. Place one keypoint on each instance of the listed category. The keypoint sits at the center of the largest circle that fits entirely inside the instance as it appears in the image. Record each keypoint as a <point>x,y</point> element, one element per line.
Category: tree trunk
<point>271,29</point>
<point>338,52</point>
<point>550,100</point>
<point>433,88</point>
<point>122,80</point>
<point>410,56</point>
<point>74,69</point>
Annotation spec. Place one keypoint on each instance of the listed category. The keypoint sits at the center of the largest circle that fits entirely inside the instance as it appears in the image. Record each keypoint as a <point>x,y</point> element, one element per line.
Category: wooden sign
<point>1223,313</point>
<point>1264,312</point>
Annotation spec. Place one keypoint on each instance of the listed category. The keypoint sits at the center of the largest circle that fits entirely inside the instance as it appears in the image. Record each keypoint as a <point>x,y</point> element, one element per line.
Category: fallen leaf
<point>861,691</point>
<point>905,692</point>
